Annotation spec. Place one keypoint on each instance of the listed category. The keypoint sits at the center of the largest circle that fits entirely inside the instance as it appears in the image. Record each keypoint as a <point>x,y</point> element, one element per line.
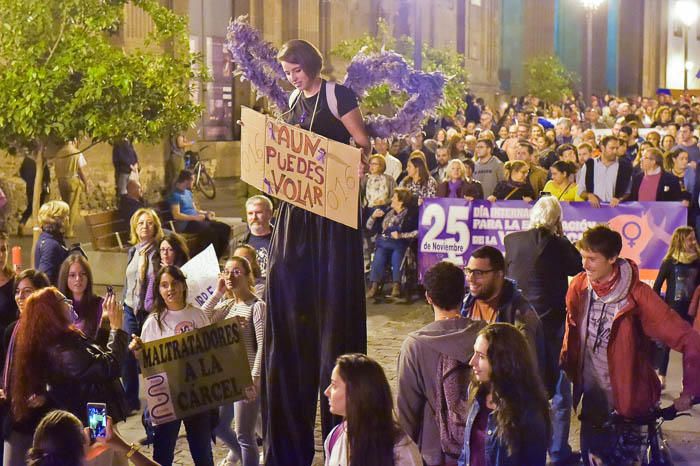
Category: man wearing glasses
<point>494,298</point>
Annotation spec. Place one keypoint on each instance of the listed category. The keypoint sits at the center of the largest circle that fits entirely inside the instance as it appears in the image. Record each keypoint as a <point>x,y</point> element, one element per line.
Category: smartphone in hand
<point>97,420</point>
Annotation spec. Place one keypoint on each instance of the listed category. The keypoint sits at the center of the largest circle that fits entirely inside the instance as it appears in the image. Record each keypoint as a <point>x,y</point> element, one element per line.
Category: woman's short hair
<point>406,197</point>
<point>672,155</point>
<point>380,159</point>
<point>546,213</point>
<point>304,54</point>
<point>657,155</point>
<point>52,215</point>
<point>460,164</point>
<point>512,166</point>
<point>58,440</point>
<point>134,237</point>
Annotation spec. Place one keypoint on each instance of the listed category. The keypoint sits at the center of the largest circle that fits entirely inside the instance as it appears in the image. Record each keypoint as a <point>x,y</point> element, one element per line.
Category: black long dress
<point>315,304</point>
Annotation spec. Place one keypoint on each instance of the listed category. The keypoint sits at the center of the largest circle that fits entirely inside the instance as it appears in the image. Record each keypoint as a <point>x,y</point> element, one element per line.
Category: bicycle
<point>202,180</point>
<point>655,449</point>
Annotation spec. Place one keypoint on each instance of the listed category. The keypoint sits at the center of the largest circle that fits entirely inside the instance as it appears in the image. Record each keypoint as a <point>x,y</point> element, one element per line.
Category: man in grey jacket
<point>422,351</point>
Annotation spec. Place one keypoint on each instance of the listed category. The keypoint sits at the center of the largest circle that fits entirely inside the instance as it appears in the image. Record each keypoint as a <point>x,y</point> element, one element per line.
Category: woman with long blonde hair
<point>680,270</point>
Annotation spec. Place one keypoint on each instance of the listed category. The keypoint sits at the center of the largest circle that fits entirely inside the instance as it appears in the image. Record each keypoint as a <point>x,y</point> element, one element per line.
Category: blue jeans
<point>388,248</point>
<point>130,369</point>
<point>198,429</point>
<point>242,442</point>
<point>560,449</point>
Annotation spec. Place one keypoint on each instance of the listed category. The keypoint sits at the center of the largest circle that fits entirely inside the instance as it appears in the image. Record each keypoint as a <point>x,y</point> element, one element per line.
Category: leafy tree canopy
<point>547,78</point>
<point>381,98</point>
<point>63,76</point>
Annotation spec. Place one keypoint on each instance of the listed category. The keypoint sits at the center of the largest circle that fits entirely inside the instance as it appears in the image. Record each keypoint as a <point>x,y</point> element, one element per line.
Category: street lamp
<point>590,6</point>
<point>686,11</point>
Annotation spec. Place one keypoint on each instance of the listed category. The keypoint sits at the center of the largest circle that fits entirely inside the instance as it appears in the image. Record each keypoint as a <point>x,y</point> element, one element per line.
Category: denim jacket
<point>533,440</point>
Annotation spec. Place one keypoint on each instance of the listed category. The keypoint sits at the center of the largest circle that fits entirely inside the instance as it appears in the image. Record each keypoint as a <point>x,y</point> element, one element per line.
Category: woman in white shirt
<point>369,435</point>
<point>171,315</point>
<point>235,297</point>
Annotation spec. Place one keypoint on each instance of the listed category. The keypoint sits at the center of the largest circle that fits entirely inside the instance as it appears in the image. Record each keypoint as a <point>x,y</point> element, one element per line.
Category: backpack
<point>331,99</point>
<point>452,403</point>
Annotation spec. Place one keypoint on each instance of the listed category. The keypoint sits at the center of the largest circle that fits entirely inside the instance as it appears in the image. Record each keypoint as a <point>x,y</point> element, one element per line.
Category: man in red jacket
<point>612,318</point>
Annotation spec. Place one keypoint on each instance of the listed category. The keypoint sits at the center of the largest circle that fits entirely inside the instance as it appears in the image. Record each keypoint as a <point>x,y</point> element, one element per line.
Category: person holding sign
<point>171,315</point>
<point>235,297</point>
<point>315,292</point>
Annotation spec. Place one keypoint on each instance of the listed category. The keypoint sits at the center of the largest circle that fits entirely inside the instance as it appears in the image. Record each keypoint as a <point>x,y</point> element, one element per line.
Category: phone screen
<point>97,420</point>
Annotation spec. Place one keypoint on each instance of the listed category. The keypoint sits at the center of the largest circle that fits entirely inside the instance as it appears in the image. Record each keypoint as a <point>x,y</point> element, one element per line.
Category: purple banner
<point>450,229</point>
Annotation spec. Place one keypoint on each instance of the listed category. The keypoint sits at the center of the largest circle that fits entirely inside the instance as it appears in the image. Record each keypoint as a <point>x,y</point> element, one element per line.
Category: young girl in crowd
<point>173,251</point>
<point>514,186</point>
<point>75,282</point>
<point>235,297</point>
<point>171,315</point>
<point>460,183</point>
<point>508,421</point>
<point>680,270</point>
<point>369,435</point>
<point>562,185</point>
<point>418,179</point>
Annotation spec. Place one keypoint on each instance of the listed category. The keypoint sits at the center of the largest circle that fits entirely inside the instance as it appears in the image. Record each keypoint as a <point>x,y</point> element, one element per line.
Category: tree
<point>547,78</point>
<point>62,76</point>
<point>381,98</point>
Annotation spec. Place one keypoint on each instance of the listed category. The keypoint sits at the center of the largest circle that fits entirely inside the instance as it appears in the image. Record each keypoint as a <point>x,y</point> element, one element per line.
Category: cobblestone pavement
<point>387,326</point>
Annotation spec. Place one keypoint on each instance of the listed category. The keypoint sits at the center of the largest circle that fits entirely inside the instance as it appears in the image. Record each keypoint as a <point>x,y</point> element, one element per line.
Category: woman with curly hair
<point>369,435</point>
<point>51,365</point>
<point>508,422</point>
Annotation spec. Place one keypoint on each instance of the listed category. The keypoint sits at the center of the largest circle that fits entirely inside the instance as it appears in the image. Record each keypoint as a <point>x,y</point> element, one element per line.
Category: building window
<point>208,23</point>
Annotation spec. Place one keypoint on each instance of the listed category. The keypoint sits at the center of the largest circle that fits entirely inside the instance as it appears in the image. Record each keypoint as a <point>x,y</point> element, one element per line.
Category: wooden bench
<point>108,231</point>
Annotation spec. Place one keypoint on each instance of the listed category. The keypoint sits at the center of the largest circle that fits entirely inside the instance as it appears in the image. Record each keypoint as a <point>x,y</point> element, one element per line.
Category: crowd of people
<point>513,350</point>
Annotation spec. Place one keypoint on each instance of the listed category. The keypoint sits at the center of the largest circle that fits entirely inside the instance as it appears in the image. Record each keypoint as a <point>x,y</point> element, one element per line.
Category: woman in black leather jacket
<point>52,365</point>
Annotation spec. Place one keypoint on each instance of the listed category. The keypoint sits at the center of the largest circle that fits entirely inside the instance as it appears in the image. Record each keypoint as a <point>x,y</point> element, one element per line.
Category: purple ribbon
<point>321,157</point>
<point>267,185</point>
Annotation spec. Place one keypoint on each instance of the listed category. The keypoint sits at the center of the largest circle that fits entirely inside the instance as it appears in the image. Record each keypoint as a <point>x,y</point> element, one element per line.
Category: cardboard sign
<point>300,167</point>
<point>195,371</point>
<point>202,272</point>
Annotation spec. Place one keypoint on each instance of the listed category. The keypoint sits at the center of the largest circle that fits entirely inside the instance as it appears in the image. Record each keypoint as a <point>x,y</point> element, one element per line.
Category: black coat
<point>80,372</point>
<point>669,189</point>
<point>540,263</point>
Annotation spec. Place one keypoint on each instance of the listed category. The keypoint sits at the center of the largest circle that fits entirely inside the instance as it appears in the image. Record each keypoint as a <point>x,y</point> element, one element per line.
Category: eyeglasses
<point>476,273</point>
<point>234,272</point>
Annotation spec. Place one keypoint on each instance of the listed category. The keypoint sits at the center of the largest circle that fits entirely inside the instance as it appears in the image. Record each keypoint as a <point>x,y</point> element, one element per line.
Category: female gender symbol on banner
<point>635,229</point>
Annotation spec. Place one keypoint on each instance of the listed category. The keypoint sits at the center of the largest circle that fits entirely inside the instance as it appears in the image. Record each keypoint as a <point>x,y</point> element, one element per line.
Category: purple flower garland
<point>256,61</point>
<point>425,90</point>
